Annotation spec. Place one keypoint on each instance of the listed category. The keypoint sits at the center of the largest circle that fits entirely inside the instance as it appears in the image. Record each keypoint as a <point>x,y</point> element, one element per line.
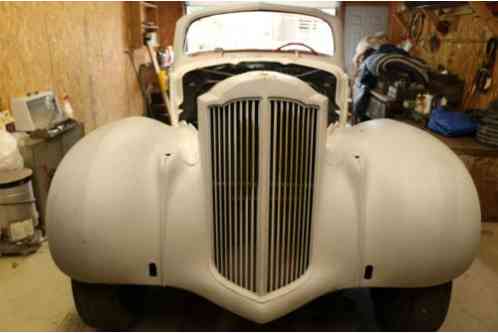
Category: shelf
<point>148,4</point>
<point>144,17</point>
<point>150,26</point>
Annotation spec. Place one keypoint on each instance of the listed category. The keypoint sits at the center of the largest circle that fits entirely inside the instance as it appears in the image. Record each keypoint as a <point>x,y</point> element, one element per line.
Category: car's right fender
<point>418,212</point>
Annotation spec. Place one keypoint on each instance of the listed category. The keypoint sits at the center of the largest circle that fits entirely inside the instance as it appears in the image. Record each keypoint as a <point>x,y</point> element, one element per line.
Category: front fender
<point>418,209</point>
<point>104,207</point>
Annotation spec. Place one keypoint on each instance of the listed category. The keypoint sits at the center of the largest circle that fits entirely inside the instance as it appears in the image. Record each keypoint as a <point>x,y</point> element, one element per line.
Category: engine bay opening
<point>199,81</point>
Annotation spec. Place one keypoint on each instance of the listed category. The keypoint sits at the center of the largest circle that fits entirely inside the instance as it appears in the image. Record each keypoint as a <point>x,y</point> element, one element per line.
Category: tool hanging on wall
<point>435,43</point>
<point>483,79</point>
<point>162,78</point>
<point>416,25</point>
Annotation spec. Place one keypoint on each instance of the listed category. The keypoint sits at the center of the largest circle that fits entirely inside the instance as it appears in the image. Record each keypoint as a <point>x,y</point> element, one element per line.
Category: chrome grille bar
<point>292,173</point>
<point>235,168</point>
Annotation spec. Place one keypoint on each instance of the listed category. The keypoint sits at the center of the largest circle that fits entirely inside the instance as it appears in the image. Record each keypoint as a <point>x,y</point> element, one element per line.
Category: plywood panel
<point>69,54</point>
<point>73,48</point>
<point>93,17</point>
<point>24,52</point>
<point>135,100</point>
<point>107,45</point>
<point>461,50</point>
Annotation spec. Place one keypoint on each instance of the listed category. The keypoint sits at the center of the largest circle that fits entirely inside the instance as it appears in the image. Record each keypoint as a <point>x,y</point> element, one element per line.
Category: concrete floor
<point>35,295</point>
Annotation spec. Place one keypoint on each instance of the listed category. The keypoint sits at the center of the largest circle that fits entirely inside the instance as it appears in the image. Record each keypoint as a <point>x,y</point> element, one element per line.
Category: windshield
<point>259,30</point>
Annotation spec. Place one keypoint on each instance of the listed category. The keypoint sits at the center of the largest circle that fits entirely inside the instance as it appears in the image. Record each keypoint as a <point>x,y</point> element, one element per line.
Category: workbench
<point>482,162</point>
<point>43,156</point>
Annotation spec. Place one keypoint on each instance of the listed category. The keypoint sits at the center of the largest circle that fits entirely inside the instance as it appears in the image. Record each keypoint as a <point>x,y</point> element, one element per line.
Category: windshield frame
<point>297,12</point>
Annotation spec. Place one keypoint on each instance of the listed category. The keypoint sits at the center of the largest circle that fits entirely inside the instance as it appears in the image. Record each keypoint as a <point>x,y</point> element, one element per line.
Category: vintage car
<point>259,197</point>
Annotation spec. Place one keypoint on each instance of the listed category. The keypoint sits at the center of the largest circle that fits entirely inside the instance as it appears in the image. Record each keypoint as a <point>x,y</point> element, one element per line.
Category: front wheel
<point>108,307</point>
<point>411,309</point>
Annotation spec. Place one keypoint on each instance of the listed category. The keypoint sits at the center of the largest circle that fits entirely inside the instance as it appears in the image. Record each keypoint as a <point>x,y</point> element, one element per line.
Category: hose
<point>483,79</point>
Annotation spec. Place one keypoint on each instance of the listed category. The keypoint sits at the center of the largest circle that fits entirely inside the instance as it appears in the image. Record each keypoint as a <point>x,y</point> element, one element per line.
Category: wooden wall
<point>461,52</point>
<point>461,49</point>
<point>73,48</point>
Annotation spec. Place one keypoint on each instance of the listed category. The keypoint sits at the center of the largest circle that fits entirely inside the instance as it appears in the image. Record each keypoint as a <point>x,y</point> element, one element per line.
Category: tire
<point>411,309</point>
<point>108,307</point>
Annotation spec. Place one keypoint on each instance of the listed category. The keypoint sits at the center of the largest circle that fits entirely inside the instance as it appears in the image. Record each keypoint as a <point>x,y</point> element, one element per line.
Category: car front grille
<point>262,191</point>
<point>235,172</point>
<point>292,160</point>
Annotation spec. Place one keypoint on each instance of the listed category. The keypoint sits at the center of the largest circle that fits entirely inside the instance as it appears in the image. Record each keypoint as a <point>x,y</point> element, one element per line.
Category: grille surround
<point>258,280</point>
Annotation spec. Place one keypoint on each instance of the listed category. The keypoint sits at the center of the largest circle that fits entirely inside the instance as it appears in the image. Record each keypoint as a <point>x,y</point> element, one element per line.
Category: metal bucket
<point>18,214</point>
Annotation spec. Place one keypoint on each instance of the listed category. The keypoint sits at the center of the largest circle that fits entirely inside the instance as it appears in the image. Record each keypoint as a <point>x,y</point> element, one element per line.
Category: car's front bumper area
<point>263,309</point>
<point>187,251</point>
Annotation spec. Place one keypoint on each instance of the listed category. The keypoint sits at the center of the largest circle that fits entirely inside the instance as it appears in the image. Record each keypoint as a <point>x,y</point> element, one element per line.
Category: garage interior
<point>90,62</point>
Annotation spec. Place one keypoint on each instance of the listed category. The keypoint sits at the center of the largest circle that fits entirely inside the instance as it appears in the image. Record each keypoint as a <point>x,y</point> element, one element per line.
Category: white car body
<point>137,193</point>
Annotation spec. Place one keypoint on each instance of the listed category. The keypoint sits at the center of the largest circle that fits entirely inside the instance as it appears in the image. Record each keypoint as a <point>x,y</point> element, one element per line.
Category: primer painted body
<point>185,63</point>
<point>387,194</point>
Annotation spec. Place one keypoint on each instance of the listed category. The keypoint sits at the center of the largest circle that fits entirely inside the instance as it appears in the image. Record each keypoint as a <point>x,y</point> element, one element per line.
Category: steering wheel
<point>296,44</point>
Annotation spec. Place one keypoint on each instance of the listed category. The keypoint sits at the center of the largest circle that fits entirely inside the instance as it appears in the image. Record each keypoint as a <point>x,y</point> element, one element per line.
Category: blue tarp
<point>451,123</point>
